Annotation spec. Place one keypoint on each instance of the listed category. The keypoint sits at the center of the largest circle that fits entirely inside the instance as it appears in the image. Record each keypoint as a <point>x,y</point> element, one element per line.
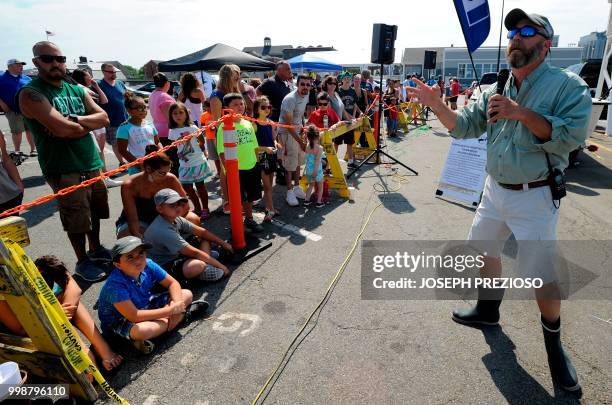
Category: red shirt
<point>455,89</point>
<point>316,117</point>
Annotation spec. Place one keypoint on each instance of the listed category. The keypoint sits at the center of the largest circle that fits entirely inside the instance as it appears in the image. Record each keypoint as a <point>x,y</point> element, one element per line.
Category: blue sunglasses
<point>526,32</point>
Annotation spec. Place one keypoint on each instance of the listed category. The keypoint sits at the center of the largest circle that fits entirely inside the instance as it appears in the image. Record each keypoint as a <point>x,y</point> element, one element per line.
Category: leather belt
<point>533,184</point>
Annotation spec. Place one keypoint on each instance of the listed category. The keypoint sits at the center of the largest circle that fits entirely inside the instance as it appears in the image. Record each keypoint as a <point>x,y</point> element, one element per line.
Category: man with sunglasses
<point>292,113</point>
<point>60,116</point>
<point>114,90</point>
<point>541,115</point>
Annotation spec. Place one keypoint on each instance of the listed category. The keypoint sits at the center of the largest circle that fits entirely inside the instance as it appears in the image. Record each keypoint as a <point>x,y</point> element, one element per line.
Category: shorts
<point>111,135</point>
<point>15,121</point>
<point>292,154</point>
<point>194,174</point>
<point>529,215</point>
<point>347,138</point>
<point>12,203</point>
<point>250,184</point>
<point>123,327</point>
<point>79,207</point>
<point>211,148</point>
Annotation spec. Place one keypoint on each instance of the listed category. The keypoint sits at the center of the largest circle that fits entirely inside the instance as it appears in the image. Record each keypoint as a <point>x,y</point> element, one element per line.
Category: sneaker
<point>211,273</point>
<point>215,254</point>
<point>100,253</point>
<point>33,153</point>
<point>319,205</point>
<point>299,193</point>
<point>89,271</point>
<point>110,183</point>
<point>291,199</point>
<point>196,310</point>
<point>252,225</point>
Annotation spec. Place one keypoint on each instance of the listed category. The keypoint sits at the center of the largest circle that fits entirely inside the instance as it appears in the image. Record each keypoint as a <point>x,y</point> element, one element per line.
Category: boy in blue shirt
<point>128,308</point>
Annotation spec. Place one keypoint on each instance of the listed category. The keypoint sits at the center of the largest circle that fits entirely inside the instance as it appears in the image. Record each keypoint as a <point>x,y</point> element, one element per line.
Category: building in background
<point>455,61</point>
<point>593,45</point>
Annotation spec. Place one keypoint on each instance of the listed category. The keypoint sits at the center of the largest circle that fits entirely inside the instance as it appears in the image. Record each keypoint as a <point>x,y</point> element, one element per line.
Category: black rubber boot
<point>561,368</point>
<point>486,310</point>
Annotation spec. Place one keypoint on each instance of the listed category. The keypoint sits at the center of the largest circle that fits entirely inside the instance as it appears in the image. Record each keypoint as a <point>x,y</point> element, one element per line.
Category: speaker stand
<point>379,150</point>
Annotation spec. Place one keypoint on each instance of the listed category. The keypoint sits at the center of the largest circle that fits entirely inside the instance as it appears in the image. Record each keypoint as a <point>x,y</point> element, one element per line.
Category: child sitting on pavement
<point>170,250</point>
<point>127,306</point>
<point>68,293</point>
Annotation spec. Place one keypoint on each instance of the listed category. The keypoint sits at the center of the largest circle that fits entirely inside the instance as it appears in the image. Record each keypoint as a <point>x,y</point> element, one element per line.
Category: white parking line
<point>291,228</point>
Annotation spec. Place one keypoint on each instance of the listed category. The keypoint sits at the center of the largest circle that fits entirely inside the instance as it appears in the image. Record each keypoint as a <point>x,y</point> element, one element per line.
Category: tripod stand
<point>379,150</point>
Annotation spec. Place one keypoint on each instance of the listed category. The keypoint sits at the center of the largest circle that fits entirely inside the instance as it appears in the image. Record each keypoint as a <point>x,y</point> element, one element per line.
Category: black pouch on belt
<point>556,181</point>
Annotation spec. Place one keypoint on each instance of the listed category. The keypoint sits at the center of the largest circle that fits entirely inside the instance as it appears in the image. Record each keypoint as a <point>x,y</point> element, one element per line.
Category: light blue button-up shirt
<point>514,154</point>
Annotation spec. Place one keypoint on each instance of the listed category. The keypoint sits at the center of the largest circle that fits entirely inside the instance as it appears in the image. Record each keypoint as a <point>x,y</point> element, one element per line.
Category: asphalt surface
<point>359,351</point>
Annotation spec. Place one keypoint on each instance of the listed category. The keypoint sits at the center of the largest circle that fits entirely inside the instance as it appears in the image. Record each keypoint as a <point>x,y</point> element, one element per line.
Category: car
<point>140,93</point>
<point>175,88</point>
<point>486,81</point>
<point>589,72</point>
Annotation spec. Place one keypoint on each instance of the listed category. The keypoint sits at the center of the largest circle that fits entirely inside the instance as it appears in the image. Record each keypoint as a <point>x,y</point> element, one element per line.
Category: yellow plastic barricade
<point>408,112</point>
<point>359,151</point>
<point>52,350</point>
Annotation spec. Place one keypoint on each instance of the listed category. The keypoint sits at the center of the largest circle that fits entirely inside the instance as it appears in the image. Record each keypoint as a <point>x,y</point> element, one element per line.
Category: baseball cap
<point>126,245</point>
<point>14,61</point>
<point>167,196</point>
<point>516,15</point>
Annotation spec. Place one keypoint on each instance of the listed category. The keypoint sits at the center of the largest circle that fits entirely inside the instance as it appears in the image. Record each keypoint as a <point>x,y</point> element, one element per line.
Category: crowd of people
<point>70,117</point>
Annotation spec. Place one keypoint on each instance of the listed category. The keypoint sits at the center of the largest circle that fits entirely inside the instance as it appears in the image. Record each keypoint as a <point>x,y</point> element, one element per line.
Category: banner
<point>464,172</point>
<point>475,21</point>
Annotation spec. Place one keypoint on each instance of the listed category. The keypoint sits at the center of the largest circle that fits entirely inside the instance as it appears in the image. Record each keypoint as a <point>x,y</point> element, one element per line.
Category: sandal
<point>205,214</point>
<point>269,216</point>
<point>144,346</point>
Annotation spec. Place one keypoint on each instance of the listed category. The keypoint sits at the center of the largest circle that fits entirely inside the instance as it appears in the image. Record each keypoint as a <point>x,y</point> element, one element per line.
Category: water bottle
<point>325,122</point>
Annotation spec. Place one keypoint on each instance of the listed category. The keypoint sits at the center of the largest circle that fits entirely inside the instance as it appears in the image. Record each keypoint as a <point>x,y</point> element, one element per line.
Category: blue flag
<point>475,21</point>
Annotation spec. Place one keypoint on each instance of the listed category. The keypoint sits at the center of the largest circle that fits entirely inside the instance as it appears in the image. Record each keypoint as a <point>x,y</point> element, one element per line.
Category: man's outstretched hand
<point>425,94</point>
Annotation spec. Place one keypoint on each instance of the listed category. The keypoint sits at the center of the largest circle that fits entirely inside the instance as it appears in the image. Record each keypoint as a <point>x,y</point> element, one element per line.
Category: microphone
<point>502,78</point>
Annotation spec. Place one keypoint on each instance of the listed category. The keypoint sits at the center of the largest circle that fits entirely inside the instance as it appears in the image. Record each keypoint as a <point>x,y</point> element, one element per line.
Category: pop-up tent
<point>313,63</point>
<point>213,57</point>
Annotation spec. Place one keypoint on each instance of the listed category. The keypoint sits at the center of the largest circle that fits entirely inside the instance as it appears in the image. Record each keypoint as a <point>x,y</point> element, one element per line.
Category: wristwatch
<point>72,117</point>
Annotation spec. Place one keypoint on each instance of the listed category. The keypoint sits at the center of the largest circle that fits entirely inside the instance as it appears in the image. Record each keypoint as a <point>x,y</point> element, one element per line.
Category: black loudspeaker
<point>430,60</point>
<point>383,43</point>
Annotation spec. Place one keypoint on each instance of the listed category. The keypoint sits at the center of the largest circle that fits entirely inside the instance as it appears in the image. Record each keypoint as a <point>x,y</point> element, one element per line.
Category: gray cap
<point>14,62</point>
<point>516,15</point>
<point>126,245</point>
<point>167,196</point>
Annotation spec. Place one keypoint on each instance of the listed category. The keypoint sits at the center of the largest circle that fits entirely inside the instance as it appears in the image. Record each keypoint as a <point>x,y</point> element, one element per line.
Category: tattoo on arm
<point>34,96</point>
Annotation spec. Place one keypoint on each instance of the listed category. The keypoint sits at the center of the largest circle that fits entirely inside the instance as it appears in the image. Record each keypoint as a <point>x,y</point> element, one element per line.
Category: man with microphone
<point>538,116</point>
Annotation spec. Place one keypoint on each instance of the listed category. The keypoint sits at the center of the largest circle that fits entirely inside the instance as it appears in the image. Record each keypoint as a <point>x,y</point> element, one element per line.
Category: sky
<point>136,31</point>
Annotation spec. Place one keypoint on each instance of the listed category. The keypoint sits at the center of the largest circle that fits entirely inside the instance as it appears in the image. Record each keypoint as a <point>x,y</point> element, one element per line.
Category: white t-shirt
<point>189,153</point>
<point>195,110</point>
<point>138,136</point>
<point>296,105</point>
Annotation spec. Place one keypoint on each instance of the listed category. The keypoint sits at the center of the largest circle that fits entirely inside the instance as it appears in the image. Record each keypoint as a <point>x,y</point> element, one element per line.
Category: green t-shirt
<point>62,155</point>
<point>247,143</point>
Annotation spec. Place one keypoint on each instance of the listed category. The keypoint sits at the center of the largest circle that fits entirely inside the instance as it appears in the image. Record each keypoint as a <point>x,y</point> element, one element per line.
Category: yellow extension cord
<point>379,187</point>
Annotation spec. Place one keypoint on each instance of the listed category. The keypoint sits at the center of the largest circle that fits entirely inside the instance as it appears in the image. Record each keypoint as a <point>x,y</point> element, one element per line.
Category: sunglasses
<point>526,32</point>
<point>51,58</point>
<point>305,84</point>
<point>323,104</point>
<point>265,107</point>
<point>110,71</point>
<point>334,83</point>
<point>141,108</point>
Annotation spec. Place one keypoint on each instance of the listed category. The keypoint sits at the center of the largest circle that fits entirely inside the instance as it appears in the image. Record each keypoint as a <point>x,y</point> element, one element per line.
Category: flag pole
<point>501,25</point>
